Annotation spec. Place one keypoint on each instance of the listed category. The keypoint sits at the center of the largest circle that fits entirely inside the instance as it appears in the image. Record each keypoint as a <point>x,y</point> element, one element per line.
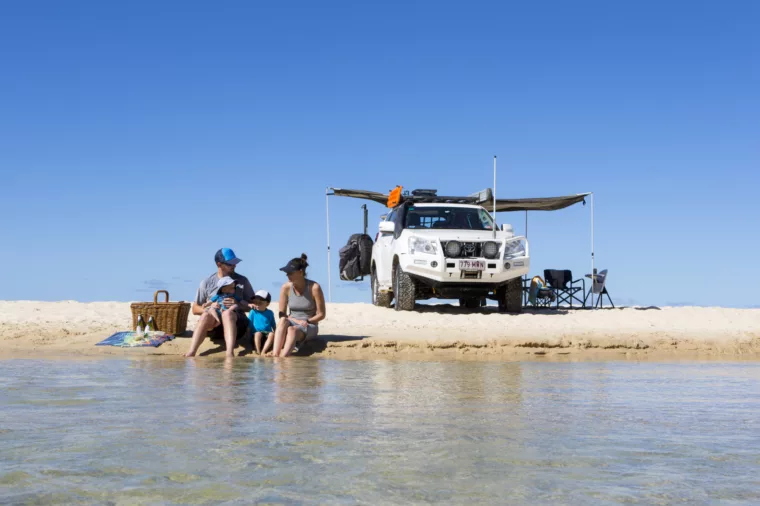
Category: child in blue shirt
<point>262,321</point>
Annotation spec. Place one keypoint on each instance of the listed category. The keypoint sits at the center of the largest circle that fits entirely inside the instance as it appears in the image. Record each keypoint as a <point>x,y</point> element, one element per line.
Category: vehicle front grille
<point>469,249</point>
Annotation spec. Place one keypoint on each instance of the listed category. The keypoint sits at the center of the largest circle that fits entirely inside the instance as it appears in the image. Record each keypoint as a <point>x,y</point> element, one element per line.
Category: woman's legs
<point>294,334</point>
<point>206,322</point>
<point>279,336</point>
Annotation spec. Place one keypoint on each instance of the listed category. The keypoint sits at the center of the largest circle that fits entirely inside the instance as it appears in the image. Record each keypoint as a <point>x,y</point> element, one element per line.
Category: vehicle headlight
<point>421,245</point>
<point>453,249</point>
<point>491,249</point>
<point>514,249</point>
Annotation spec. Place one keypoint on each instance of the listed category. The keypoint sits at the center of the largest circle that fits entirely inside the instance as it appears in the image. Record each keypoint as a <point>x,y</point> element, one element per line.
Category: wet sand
<point>67,328</point>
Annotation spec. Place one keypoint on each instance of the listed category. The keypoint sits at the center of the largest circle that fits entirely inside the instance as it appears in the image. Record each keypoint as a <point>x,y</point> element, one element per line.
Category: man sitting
<point>233,322</point>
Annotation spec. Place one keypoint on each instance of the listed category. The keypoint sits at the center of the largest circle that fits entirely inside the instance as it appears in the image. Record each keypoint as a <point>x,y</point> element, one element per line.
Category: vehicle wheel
<point>403,290</point>
<point>469,302</point>
<point>510,296</point>
<point>380,299</point>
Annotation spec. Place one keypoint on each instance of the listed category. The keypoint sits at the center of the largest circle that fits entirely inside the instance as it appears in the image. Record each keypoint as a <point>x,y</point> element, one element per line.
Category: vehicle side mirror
<point>387,227</point>
<point>506,227</point>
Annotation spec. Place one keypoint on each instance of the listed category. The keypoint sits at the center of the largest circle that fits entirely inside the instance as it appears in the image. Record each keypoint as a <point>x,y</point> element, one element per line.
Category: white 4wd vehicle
<point>446,250</point>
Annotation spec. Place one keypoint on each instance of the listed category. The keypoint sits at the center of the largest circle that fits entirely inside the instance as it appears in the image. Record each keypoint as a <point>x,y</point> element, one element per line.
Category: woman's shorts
<point>310,331</point>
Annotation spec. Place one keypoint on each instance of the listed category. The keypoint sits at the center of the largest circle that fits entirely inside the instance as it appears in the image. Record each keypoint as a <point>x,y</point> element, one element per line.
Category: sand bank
<point>29,328</point>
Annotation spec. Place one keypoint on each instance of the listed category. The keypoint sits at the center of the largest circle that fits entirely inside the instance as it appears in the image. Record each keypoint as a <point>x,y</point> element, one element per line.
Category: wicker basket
<point>170,317</point>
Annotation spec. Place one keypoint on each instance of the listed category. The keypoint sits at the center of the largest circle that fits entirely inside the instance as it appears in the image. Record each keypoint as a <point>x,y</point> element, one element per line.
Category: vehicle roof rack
<point>438,199</point>
<point>423,192</point>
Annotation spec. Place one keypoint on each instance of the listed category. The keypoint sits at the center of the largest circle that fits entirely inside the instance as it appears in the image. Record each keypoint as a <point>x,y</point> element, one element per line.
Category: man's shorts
<point>242,326</point>
<point>310,331</point>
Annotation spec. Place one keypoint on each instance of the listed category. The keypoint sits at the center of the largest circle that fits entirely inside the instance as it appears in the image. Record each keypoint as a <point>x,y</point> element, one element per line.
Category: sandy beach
<point>29,328</point>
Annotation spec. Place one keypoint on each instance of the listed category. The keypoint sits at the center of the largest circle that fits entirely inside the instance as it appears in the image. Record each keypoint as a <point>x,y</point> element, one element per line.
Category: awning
<point>380,198</point>
<point>537,204</point>
<point>502,205</point>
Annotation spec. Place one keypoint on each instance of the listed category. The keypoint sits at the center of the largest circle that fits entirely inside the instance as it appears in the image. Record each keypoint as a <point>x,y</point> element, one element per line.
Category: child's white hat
<point>264,295</point>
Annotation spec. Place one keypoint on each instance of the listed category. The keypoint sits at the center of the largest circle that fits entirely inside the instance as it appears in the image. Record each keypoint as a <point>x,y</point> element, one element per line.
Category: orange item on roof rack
<point>394,197</point>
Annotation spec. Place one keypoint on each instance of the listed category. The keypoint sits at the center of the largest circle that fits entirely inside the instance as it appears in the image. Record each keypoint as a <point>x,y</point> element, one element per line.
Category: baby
<point>262,321</point>
<point>225,289</point>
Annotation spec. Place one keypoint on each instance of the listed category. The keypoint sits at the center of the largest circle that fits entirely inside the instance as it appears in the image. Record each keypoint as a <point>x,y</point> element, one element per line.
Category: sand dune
<point>29,328</point>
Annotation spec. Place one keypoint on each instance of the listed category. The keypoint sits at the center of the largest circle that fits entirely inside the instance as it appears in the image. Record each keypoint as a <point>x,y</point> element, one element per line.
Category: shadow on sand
<point>458,310</point>
<point>319,344</point>
<point>307,349</point>
<point>221,347</point>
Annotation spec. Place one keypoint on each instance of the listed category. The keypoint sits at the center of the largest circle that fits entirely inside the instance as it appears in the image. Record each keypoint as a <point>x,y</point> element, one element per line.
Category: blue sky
<point>136,138</point>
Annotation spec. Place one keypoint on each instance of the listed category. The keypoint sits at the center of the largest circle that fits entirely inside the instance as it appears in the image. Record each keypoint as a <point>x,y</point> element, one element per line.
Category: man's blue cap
<point>226,256</point>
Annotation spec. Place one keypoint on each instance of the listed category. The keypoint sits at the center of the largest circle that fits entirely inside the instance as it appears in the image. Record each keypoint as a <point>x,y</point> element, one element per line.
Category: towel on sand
<point>131,340</point>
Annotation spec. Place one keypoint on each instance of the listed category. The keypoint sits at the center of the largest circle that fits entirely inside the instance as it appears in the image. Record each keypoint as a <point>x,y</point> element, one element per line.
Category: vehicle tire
<point>380,299</point>
<point>510,296</point>
<point>469,302</point>
<point>403,290</point>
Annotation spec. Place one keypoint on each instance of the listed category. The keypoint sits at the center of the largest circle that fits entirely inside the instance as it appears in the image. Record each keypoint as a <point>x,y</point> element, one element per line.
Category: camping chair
<point>563,285</point>
<point>599,288</point>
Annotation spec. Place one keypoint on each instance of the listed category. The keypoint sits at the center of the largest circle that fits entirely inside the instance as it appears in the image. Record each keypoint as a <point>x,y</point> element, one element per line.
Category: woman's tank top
<point>302,307</point>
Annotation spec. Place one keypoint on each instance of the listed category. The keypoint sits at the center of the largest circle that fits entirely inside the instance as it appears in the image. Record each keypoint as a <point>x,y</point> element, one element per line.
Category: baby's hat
<point>225,281</point>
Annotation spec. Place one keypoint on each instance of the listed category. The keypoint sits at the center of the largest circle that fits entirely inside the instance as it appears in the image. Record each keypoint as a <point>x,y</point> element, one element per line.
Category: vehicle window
<point>485,219</point>
<point>391,215</point>
<point>451,218</point>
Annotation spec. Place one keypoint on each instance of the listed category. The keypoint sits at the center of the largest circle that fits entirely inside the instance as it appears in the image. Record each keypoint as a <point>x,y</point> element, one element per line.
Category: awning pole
<point>593,271</point>
<point>327,213</point>
<point>525,278</point>
<point>494,196</point>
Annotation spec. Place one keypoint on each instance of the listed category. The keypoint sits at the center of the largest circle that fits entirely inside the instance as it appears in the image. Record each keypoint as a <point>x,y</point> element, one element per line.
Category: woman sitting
<point>306,302</point>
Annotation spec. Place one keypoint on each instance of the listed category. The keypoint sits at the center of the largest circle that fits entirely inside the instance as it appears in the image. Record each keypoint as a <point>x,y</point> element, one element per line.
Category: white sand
<point>29,328</point>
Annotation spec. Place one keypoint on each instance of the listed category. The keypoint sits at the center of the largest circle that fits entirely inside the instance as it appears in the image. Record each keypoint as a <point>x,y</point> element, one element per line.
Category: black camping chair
<point>565,287</point>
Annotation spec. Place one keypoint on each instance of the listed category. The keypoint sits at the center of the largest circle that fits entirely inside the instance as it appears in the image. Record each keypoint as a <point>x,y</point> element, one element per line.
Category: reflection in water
<point>322,431</point>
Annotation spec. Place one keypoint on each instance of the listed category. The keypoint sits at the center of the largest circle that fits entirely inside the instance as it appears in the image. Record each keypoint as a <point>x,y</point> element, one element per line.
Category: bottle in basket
<point>140,325</point>
<point>151,325</point>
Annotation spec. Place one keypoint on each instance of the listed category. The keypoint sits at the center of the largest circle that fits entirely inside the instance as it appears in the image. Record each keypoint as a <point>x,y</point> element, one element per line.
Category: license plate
<point>472,265</point>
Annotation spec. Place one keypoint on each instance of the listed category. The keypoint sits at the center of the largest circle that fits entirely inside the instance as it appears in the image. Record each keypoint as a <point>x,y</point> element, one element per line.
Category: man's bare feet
<point>190,354</point>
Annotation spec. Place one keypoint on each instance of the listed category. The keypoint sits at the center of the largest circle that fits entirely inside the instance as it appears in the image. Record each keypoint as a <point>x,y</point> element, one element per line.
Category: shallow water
<point>308,431</point>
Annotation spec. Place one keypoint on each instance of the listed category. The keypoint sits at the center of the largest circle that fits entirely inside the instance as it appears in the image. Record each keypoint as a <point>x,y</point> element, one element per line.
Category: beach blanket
<point>131,340</point>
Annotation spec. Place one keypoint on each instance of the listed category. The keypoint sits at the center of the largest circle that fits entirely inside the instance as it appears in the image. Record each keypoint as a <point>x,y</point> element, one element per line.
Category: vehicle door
<point>384,256</point>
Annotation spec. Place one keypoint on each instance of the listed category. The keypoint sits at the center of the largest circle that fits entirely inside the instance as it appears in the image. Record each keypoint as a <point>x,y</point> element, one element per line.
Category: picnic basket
<point>170,317</point>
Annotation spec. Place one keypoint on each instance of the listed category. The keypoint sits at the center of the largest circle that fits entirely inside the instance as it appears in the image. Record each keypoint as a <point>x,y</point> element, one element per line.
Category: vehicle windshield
<point>450,218</point>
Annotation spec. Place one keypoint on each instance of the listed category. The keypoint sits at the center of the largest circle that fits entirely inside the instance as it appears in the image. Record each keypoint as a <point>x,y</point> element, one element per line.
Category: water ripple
<point>369,432</point>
